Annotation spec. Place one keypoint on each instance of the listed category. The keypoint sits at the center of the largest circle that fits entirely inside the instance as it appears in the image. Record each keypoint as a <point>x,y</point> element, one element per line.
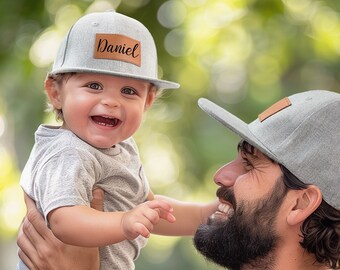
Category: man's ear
<point>306,202</point>
<point>53,93</point>
<point>150,98</point>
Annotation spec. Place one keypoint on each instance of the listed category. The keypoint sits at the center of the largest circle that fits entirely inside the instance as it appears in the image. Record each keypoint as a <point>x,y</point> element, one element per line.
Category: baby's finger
<point>142,230</point>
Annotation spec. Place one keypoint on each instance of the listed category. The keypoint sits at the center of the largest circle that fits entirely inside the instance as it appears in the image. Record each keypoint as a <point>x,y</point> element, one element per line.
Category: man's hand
<point>39,249</point>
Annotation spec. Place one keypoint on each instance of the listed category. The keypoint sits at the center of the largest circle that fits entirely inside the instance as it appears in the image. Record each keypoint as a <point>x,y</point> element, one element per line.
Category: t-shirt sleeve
<point>65,179</point>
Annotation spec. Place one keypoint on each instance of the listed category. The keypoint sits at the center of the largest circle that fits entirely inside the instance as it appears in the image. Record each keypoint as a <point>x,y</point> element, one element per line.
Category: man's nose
<point>228,173</point>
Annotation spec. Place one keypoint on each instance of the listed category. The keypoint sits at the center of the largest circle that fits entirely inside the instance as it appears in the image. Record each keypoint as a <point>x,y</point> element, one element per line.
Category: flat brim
<point>233,123</point>
<point>160,84</point>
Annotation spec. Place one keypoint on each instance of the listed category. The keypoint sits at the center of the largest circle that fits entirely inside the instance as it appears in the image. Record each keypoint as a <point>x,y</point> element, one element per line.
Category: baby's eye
<point>95,86</point>
<point>128,91</point>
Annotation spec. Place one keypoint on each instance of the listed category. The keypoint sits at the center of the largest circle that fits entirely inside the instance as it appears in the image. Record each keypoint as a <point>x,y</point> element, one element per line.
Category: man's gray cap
<point>110,43</point>
<point>301,132</point>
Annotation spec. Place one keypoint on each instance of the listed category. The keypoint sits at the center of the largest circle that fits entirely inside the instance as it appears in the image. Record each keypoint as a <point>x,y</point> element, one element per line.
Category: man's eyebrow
<point>245,148</point>
<point>244,156</point>
<point>247,152</point>
<point>248,156</point>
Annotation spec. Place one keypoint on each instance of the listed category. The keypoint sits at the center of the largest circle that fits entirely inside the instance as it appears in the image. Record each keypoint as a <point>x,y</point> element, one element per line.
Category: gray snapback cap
<point>301,132</point>
<point>110,43</point>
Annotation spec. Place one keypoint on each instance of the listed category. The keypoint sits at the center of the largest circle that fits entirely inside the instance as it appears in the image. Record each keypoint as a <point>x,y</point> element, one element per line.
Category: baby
<point>103,80</point>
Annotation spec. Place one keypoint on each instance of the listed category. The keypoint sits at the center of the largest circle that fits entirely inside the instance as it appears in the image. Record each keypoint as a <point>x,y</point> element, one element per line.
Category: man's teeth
<point>226,209</point>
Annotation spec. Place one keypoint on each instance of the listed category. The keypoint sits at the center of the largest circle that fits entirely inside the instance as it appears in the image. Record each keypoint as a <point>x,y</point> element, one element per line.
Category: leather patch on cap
<point>278,106</point>
<point>117,47</point>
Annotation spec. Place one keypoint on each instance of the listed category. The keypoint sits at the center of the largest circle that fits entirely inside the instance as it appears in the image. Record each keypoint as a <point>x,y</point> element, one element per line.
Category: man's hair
<point>321,230</point>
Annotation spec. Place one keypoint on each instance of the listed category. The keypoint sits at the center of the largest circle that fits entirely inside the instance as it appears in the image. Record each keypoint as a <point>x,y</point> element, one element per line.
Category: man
<point>280,197</point>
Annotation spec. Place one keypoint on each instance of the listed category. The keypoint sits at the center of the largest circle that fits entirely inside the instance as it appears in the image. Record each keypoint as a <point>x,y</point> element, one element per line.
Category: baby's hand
<point>141,219</point>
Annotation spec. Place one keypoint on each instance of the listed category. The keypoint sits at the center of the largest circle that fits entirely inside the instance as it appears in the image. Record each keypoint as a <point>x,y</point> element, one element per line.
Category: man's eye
<point>247,164</point>
<point>128,91</point>
<point>95,86</point>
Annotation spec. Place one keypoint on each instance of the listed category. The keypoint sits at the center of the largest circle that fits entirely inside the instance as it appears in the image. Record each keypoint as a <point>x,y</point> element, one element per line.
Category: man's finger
<point>163,208</point>
<point>150,196</point>
<point>98,199</point>
<point>158,203</point>
<point>25,246</point>
<point>166,216</point>
<point>30,204</point>
<point>35,227</point>
<point>26,260</point>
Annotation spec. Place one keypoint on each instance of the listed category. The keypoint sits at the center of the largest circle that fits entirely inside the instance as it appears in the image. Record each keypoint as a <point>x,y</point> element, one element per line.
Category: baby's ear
<point>150,98</point>
<point>306,202</point>
<point>53,92</point>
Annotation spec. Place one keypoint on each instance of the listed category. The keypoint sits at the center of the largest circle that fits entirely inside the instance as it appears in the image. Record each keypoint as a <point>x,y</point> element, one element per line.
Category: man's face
<point>242,232</point>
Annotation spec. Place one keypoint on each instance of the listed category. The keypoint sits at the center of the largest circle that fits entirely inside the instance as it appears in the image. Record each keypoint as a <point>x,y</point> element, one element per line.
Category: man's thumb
<point>98,199</point>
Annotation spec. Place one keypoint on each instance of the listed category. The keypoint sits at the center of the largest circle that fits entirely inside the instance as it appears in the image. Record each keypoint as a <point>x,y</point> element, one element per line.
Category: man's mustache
<point>226,194</point>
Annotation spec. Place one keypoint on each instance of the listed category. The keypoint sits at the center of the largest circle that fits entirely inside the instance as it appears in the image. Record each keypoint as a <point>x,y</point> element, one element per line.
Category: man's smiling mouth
<point>105,121</point>
<point>225,211</point>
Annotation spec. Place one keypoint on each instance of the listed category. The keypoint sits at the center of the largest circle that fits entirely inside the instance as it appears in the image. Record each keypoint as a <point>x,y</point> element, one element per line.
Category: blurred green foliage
<point>242,54</point>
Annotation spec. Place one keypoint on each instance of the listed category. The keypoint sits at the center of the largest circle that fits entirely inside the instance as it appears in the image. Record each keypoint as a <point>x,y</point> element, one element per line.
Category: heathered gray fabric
<point>304,137</point>
<point>62,171</point>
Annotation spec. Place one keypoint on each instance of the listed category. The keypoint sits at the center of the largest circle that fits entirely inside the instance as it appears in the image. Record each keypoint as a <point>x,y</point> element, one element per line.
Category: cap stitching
<point>66,46</point>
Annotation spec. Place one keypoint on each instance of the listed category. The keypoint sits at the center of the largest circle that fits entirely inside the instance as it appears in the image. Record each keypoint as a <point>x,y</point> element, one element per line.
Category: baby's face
<point>104,110</point>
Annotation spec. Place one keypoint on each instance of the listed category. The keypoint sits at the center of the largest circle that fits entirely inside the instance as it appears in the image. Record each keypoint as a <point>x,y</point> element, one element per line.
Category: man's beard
<point>248,237</point>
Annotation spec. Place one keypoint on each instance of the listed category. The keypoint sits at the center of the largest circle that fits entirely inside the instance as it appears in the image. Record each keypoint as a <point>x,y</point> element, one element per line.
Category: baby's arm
<point>188,217</point>
<point>83,226</point>
<point>40,249</point>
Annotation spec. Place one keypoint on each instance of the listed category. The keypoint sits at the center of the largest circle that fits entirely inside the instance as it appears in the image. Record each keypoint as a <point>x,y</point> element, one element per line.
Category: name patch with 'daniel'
<point>117,47</point>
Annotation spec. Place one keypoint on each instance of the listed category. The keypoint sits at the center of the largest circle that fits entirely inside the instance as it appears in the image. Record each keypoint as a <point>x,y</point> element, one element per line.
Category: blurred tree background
<point>242,54</point>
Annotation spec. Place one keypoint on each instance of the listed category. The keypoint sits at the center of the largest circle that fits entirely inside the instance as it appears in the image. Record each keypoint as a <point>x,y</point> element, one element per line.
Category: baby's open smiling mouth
<point>105,121</point>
